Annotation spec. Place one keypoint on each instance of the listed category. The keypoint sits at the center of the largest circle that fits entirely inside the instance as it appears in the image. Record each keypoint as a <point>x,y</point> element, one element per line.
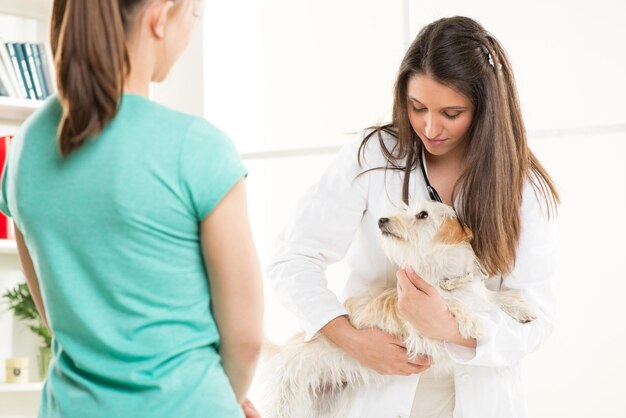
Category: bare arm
<point>31,276</point>
<point>374,348</point>
<point>236,287</point>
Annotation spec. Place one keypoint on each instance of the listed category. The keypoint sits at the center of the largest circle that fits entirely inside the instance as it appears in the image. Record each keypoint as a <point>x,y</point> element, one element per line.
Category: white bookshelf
<point>16,110</point>
<point>20,387</point>
<point>8,247</point>
<point>22,21</point>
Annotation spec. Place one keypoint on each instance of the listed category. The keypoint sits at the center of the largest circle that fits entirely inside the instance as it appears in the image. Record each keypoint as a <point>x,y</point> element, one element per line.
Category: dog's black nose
<point>382,221</point>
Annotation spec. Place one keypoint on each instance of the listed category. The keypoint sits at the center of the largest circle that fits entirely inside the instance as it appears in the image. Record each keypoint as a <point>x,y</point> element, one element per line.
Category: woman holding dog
<point>456,135</point>
<point>132,228</point>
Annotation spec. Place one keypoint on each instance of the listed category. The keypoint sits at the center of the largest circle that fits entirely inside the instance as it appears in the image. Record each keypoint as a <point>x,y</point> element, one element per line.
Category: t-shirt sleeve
<point>4,204</point>
<point>209,167</point>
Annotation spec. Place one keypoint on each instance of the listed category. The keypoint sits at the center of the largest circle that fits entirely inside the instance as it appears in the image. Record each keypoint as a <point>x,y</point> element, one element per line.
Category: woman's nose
<point>433,127</point>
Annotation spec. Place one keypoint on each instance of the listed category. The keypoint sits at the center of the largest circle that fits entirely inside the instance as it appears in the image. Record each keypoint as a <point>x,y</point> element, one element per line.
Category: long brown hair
<point>460,53</point>
<point>88,40</point>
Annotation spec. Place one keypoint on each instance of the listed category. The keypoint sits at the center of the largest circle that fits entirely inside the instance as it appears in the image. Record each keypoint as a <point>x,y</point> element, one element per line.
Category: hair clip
<point>492,63</point>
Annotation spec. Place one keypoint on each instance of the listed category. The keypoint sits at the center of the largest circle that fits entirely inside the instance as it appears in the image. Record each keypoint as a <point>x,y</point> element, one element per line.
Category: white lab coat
<point>337,218</point>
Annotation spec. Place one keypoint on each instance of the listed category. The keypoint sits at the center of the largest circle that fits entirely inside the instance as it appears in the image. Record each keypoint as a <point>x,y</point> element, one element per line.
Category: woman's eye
<point>421,109</point>
<point>452,116</point>
<point>422,215</point>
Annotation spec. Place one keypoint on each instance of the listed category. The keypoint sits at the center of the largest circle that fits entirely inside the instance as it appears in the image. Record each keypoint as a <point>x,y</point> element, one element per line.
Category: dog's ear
<point>452,231</point>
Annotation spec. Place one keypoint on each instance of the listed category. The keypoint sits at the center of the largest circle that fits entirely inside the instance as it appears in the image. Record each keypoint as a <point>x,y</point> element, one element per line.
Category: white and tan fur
<point>317,379</point>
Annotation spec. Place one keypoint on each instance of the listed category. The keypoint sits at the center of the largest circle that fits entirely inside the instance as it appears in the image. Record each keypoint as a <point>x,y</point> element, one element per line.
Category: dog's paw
<point>523,314</point>
<point>447,285</point>
<point>470,325</point>
<point>451,284</point>
<point>527,320</point>
<point>513,304</point>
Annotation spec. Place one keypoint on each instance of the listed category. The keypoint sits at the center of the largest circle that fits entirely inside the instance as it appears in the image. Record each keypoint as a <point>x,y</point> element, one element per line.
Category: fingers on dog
<point>415,368</point>
<point>389,338</point>
<point>402,367</point>
<point>422,360</point>
<point>403,282</point>
<point>397,341</point>
<point>417,281</point>
<point>399,352</point>
<point>409,368</point>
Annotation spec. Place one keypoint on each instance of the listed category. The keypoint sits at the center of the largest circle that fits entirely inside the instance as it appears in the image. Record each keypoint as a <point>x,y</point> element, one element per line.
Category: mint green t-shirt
<point>113,231</point>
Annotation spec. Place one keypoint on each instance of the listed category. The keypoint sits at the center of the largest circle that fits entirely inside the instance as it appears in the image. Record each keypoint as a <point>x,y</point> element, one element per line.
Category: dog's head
<point>422,232</point>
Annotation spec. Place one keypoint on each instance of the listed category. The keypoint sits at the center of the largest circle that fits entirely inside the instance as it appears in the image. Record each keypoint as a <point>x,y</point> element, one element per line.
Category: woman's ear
<point>158,13</point>
<point>453,231</point>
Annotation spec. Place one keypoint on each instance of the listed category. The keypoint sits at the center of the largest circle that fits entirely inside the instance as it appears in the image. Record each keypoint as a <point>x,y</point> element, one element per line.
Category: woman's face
<point>439,115</point>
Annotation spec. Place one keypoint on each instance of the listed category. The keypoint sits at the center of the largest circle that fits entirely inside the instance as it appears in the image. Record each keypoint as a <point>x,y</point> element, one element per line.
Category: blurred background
<point>290,82</point>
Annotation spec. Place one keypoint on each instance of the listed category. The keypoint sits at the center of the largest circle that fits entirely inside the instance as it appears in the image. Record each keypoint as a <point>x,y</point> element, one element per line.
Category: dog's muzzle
<point>383,225</point>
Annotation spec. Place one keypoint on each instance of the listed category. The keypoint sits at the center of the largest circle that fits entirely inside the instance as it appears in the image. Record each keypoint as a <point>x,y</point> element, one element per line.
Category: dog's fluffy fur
<point>317,378</point>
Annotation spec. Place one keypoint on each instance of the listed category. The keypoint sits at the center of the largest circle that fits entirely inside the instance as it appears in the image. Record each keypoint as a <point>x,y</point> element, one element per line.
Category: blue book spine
<point>40,70</point>
<point>32,69</point>
<point>16,68</point>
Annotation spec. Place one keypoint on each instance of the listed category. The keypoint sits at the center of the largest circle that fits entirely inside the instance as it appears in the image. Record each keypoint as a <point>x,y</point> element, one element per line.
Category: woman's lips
<point>435,142</point>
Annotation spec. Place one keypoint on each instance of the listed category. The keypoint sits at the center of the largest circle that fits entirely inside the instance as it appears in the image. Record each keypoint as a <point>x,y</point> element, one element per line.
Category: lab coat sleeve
<point>320,232</point>
<point>507,341</point>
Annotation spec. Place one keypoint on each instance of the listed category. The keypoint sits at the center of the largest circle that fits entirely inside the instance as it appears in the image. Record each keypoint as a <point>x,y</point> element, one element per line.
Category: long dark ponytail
<point>88,40</point>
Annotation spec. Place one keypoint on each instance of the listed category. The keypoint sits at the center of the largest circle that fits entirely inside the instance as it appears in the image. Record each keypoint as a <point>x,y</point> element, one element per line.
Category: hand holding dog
<point>386,354</point>
<point>421,305</point>
<point>374,348</point>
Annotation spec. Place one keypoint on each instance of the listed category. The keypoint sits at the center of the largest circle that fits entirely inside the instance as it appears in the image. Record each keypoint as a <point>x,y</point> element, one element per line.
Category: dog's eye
<point>422,215</point>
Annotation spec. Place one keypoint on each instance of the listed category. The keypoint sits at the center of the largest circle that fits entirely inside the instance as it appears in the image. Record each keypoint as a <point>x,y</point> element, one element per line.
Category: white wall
<point>284,74</point>
<point>580,371</point>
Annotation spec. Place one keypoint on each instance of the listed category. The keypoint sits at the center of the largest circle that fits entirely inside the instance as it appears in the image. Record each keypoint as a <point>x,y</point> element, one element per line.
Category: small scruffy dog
<point>317,379</point>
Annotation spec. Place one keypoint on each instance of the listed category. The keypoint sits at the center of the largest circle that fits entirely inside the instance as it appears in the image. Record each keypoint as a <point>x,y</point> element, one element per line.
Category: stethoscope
<point>432,193</point>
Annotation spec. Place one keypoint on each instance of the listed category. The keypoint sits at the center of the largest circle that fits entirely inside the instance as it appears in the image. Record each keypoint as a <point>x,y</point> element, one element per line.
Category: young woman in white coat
<point>457,126</point>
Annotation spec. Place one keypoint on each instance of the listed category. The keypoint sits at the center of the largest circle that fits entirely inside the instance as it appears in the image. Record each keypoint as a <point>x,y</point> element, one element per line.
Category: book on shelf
<point>19,64</point>
<point>7,73</point>
<point>6,87</point>
<point>39,66</point>
<point>15,65</point>
<point>32,70</point>
<point>6,226</point>
<point>25,70</point>
<point>46,67</point>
